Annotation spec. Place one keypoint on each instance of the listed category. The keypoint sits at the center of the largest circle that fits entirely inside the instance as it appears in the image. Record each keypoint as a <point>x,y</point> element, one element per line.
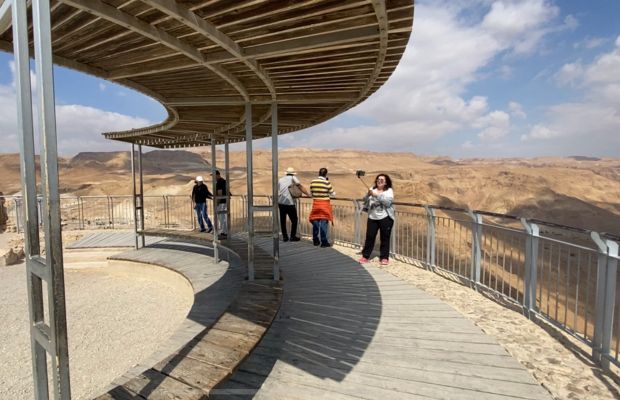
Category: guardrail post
<point>607,270</point>
<point>476,249</point>
<point>17,215</point>
<point>430,238</point>
<point>531,266</point>
<point>357,227</point>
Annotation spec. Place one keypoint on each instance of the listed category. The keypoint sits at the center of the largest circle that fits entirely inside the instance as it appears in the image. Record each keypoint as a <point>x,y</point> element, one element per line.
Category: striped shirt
<point>321,188</point>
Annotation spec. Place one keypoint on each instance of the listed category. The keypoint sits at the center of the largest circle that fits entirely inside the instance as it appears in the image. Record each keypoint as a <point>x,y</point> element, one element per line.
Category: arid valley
<point>582,192</point>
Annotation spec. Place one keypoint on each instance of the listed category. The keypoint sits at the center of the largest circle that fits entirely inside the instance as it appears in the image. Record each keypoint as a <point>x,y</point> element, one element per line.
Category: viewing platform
<point>343,331</point>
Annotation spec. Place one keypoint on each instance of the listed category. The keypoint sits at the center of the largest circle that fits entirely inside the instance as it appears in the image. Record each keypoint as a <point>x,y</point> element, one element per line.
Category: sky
<point>479,78</point>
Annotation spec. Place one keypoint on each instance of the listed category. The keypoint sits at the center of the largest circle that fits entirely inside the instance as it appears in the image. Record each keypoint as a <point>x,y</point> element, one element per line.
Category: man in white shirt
<point>287,204</point>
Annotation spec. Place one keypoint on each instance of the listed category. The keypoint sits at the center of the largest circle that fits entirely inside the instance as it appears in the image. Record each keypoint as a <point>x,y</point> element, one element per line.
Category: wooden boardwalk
<point>351,332</point>
<point>228,318</point>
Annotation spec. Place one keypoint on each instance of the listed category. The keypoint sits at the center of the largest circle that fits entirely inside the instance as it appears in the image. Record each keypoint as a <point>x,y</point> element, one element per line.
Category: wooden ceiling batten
<point>203,60</point>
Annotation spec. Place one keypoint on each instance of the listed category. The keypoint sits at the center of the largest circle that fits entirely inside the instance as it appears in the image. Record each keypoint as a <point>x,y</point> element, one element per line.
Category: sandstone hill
<point>577,191</point>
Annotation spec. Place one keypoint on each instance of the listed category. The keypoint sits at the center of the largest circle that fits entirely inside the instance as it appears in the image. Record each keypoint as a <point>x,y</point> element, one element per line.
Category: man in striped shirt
<point>321,189</point>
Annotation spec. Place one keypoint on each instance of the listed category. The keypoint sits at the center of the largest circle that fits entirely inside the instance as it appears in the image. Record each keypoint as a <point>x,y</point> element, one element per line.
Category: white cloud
<point>516,110</point>
<point>495,126</point>
<point>467,145</point>
<point>569,74</point>
<point>590,43</point>
<point>540,132</point>
<point>591,125</point>
<point>78,127</point>
<point>102,87</point>
<point>519,25</point>
<point>446,54</point>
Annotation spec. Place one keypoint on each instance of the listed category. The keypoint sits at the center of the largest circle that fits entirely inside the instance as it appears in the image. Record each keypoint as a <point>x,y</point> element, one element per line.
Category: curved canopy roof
<point>203,60</point>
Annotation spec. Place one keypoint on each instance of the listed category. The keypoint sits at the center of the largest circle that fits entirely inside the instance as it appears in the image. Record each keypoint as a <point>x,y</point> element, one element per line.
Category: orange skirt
<point>321,210</point>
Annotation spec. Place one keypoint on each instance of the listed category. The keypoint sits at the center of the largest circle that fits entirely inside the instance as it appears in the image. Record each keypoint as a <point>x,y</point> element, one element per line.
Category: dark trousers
<point>291,211</point>
<point>372,227</point>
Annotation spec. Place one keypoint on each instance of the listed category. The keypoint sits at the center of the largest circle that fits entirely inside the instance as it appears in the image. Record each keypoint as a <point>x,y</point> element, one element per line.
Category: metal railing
<point>563,275</point>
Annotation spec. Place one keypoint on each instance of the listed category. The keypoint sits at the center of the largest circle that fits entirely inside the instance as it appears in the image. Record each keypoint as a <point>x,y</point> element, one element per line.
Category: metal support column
<point>275,189</point>
<point>430,238</point>
<point>216,225</point>
<point>45,338</point>
<point>133,189</point>
<point>250,188</point>
<point>476,253</point>
<point>227,168</point>
<point>607,274</point>
<point>531,266</point>
<point>141,195</point>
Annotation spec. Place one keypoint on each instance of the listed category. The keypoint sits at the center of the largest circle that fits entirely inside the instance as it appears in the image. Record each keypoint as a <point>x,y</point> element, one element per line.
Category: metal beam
<point>250,188</point>
<point>275,190</point>
<point>51,198</point>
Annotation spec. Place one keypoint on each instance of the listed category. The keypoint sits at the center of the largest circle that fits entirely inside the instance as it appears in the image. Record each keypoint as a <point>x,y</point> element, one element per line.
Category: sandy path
<point>565,375</point>
<point>113,323</point>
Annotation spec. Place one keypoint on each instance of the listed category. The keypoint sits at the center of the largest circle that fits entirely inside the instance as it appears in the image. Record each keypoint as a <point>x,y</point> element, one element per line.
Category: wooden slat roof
<point>204,59</point>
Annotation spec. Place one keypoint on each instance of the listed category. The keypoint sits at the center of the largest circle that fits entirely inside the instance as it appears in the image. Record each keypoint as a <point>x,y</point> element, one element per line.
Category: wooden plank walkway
<point>228,318</point>
<point>109,239</point>
<point>351,332</point>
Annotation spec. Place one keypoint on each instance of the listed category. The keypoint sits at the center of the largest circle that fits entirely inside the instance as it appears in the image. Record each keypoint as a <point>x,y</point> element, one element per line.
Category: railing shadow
<point>330,313</point>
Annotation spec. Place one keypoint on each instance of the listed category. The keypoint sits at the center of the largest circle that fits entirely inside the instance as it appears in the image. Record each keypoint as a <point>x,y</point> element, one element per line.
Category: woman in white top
<point>378,201</point>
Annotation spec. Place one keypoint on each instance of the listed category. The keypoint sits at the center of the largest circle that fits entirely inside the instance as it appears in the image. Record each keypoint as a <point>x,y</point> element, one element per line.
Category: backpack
<point>295,190</point>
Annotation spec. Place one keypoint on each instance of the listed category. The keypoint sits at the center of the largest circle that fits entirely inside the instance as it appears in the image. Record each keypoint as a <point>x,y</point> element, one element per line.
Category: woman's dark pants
<point>384,226</point>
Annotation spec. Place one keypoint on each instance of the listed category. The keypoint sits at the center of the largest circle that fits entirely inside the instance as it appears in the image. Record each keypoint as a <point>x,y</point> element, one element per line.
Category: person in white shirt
<point>287,205</point>
<point>381,215</point>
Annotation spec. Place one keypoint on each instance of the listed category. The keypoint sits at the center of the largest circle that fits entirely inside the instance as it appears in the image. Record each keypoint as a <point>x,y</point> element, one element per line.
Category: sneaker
<point>295,239</point>
<point>385,261</point>
<point>363,260</point>
<point>326,245</point>
<point>210,230</point>
<point>203,230</point>
<point>285,239</point>
<point>316,243</point>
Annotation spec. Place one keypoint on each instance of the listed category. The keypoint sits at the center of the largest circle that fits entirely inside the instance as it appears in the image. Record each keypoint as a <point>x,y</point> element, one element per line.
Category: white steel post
<point>215,200</point>
<point>227,168</point>
<point>133,189</point>
<point>141,195</point>
<point>430,238</point>
<point>531,266</point>
<point>476,251</point>
<point>607,274</point>
<point>274,187</point>
<point>250,188</point>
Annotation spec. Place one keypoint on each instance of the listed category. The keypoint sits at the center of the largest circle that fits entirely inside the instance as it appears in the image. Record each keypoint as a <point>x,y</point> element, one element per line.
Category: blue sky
<point>479,78</point>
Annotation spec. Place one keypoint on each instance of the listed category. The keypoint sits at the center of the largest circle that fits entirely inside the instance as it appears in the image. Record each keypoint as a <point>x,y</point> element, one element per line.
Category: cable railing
<point>563,275</point>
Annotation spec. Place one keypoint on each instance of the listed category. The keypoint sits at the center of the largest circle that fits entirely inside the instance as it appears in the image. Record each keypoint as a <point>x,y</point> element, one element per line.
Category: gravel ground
<point>544,352</point>
<point>113,323</point>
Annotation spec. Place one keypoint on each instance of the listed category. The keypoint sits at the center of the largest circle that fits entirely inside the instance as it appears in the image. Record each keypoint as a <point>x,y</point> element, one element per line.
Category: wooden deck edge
<point>213,355</point>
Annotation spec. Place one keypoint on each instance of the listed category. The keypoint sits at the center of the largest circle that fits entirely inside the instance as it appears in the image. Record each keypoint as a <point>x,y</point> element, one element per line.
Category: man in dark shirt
<point>200,194</point>
<point>221,192</point>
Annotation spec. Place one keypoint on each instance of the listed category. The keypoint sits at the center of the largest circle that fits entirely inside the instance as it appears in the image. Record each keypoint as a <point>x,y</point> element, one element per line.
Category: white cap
<point>199,179</point>
<point>290,171</point>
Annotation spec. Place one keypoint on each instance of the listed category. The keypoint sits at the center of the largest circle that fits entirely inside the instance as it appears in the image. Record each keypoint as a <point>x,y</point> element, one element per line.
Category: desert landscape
<point>576,191</point>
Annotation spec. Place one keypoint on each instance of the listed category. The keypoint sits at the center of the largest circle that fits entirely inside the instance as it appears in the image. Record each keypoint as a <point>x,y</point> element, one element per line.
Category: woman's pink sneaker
<point>385,261</point>
<point>363,260</point>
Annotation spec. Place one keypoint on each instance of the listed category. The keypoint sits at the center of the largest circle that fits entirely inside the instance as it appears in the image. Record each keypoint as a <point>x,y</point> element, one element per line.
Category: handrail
<point>565,279</point>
